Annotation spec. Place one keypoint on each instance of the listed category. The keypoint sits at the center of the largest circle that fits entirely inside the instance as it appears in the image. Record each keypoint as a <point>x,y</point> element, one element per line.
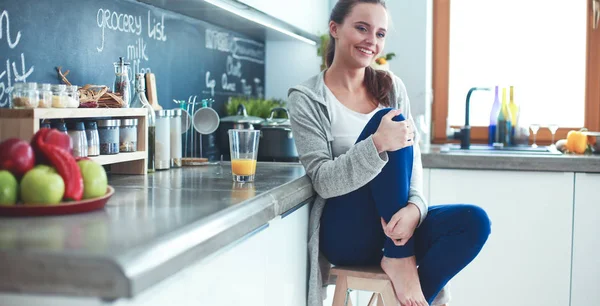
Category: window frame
<point>479,134</point>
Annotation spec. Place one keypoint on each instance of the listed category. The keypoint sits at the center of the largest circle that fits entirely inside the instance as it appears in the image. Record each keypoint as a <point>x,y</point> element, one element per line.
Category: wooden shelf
<point>119,158</point>
<point>24,123</point>
<point>66,113</point>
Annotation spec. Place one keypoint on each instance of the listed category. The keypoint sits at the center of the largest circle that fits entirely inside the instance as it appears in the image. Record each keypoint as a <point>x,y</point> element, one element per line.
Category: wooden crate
<point>24,123</point>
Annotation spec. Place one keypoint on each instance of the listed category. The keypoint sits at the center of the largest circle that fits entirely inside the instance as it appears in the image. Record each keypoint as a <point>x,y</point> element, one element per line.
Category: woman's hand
<point>392,135</point>
<point>403,224</point>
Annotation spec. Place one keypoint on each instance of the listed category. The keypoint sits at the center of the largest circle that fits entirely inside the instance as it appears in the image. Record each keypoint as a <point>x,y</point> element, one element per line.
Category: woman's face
<point>362,35</point>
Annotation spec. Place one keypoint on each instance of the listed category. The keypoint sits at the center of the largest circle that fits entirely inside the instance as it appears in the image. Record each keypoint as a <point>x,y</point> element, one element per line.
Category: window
<point>547,51</point>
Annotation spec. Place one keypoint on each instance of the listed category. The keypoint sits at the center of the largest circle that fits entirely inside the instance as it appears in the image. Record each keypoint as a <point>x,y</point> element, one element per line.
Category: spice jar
<point>76,130</point>
<point>25,95</point>
<point>72,96</point>
<point>45,125</point>
<point>59,125</point>
<point>176,153</point>
<point>162,145</point>
<point>128,135</point>
<point>93,139</point>
<point>108,132</point>
<point>59,95</point>
<point>45,95</point>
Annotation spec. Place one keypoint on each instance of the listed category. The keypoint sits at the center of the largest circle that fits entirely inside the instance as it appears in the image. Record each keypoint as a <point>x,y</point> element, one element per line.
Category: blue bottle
<point>494,119</point>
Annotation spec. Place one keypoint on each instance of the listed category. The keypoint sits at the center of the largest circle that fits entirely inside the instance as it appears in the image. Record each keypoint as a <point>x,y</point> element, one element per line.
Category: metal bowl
<point>594,139</point>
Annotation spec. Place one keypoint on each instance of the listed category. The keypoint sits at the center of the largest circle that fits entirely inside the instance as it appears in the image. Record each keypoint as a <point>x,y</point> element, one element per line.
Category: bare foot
<point>405,278</point>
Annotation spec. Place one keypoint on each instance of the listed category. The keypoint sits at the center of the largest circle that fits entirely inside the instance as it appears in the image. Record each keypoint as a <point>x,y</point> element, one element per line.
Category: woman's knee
<point>477,221</point>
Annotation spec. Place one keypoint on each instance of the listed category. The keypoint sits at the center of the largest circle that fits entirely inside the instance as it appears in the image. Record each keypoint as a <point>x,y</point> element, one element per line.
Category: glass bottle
<point>140,101</point>
<point>504,127</point>
<point>514,114</point>
<point>494,119</point>
<point>122,84</point>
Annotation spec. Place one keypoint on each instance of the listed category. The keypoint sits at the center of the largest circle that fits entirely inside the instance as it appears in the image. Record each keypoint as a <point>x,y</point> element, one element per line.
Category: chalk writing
<point>157,29</point>
<point>215,40</point>
<point>259,88</point>
<point>11,44</point>
<point>246,89</point>
<point>225,84</point>
<point>117,22</point>
<point>248,50</point>
<point>210,84</point>
<point>9,76</point>
<point>233,68</point>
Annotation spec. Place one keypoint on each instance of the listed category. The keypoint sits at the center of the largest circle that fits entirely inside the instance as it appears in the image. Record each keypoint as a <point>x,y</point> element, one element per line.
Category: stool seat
<point>364,278</point>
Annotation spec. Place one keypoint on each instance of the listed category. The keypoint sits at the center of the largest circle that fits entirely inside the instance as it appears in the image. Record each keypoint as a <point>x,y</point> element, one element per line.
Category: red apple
<point>16,156</point>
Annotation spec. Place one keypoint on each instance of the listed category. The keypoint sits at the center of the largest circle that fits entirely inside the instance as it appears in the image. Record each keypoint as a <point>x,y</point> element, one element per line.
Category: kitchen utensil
<point>240,121</point>
<point>206,120</point>
<point>243,148</point>
<point>276,139</point>
<point>594,141</point>
<point>151,91</point>
<point>63,208</point>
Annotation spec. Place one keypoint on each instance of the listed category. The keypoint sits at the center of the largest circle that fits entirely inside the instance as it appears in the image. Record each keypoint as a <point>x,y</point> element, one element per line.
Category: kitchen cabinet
<point>266,267</point>
<point>527,258</point>
<point>586,241</point>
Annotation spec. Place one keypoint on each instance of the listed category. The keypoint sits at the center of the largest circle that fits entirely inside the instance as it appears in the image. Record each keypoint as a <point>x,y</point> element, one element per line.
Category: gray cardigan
<point>311,126</point>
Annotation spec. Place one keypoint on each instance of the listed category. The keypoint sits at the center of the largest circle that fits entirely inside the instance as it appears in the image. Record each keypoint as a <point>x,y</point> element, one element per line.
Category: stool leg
<point>341,291</point>
<point>373,299</point>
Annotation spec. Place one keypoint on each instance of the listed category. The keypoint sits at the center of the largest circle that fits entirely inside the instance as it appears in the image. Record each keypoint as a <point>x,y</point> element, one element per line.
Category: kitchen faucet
<point>465,132</point>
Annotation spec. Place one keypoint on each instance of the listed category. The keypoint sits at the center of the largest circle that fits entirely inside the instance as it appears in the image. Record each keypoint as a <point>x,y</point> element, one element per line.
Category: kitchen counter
<point>433,157</point>
<point>152,227</point>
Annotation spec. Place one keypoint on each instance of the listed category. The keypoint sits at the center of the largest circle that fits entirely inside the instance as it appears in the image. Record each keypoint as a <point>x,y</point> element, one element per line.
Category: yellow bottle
<point>514,108</point>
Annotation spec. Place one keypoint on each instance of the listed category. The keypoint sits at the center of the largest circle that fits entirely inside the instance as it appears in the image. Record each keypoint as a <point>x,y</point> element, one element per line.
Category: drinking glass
<point>534,129</point>
<point>553,128</point>
<point>243,147</point>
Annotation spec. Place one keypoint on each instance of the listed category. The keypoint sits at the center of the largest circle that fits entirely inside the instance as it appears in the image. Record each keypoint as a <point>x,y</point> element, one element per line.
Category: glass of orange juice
<point>243,146</point>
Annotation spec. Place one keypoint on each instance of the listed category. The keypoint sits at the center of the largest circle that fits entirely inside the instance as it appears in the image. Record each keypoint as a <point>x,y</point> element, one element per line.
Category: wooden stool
<point>371,279</point>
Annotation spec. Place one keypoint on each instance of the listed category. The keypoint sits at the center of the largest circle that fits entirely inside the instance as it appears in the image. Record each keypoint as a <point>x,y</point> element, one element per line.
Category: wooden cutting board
<point>151,91</point>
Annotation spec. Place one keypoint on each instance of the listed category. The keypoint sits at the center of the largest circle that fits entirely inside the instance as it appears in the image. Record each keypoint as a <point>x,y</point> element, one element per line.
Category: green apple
<point>94,179</point>
<point>9,188</point>
<point>42,185</point>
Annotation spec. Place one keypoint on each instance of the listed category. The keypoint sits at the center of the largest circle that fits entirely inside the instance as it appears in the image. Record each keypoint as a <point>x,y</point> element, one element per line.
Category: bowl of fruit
<point>41,177</point>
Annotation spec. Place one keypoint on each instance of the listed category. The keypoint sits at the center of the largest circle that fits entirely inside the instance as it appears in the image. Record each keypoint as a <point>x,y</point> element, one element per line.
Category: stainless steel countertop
<point>432,157</point>
<point>151,228</point>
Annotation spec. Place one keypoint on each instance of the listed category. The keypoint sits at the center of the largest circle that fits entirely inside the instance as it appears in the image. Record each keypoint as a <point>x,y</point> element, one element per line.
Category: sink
<point>511,150</point>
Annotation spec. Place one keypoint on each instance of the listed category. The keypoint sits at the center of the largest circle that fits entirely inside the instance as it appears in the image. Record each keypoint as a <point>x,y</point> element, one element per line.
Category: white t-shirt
<point>346,124</point>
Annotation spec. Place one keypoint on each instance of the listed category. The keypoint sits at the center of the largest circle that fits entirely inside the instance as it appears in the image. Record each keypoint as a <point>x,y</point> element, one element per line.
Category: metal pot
<point>240,121</point>
<point>594,139</point>
<point>277,139</point>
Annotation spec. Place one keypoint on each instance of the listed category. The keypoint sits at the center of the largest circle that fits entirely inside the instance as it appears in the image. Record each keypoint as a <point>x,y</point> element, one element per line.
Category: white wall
<point>309,15</point>
<point>288,63</point>
<point>410,37</point>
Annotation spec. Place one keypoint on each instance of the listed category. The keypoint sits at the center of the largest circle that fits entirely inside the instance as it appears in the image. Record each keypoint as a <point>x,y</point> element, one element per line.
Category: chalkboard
<point>189,57</point>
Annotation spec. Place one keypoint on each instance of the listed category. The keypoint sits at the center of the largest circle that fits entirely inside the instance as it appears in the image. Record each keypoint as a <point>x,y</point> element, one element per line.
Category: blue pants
<point>449,238</point>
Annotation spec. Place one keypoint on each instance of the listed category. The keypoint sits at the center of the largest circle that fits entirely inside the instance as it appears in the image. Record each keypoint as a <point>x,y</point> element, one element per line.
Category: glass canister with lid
<point>72,96</point>
<point>59,125</point>
<point>108,132</point>
<point>45,95</point>
<point>25,95</point>
<point>76,130</point>
<point>176,150</point>
<point>128,135</point>
<point>162,145</point>
<point>93,138</point>
<point>59,96</point>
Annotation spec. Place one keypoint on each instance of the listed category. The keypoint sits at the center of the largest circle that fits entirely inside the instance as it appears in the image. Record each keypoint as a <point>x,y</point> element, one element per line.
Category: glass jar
<point>93,139</point>
<point>108,132</point>
<point>76,130</point>
<point>176,153</point>
<point>59,95</point>
<point>162,145</point>
<point>25,95</point>
<point>128,135</point>
<point>45,125</point>
<point>45,95</point>
<point>72,96</point>
<point>59,125</point>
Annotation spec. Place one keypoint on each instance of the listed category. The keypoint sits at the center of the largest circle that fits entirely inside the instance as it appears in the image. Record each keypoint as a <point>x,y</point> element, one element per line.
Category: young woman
<point>355,136</point>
